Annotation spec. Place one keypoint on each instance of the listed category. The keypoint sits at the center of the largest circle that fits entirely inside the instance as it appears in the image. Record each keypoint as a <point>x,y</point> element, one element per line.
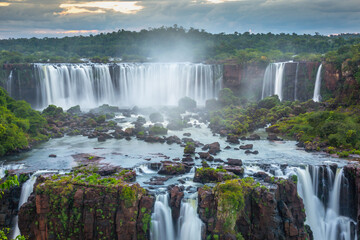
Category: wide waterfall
<point>317,96</point>
<point>188,226</point>
<point>320,190</point>
<point>126,84</point>
<point>273,80</point>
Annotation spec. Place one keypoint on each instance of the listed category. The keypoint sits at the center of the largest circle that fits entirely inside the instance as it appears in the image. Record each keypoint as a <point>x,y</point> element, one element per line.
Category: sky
<point>58,18</point>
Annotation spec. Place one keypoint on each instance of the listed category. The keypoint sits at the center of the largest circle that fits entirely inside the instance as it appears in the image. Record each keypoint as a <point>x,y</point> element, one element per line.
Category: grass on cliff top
<point>231,200</point>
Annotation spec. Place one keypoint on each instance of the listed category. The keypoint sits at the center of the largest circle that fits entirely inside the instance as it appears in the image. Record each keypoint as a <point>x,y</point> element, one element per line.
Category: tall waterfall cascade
<point>296,81</point>
<point>188,226</point>
<point>273,80</point>
<point>126,84</point>
<point>322,209</point>
<point>317,96</point>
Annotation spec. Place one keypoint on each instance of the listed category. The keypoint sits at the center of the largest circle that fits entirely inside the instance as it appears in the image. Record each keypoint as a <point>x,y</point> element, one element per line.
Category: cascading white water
<point>317,96</point>
<point>273,80</point>
<point>189,223</point>
<point>26,190</point>
<point>9,83</point>
<point>162,226</point>
<point>146,84</point>
<point>188,226</point>
<point>296,81</point>
<point>326,222</point>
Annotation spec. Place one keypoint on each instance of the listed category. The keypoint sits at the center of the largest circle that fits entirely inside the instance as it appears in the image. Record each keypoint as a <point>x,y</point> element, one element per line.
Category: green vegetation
<point>337,129</point>
<point>241,119</point>
<point>231,201</point>
<point>157,130</point>
<point>200,45</point>
<point>19,124</point>
<point>187,104</point>
<point>189,148</point>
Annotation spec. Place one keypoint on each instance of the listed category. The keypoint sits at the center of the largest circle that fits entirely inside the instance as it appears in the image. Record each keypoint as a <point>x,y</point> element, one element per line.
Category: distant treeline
<point>175,43</point>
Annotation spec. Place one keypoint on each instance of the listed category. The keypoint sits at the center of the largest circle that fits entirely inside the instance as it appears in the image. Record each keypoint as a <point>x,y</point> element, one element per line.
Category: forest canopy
<point>174,44</point>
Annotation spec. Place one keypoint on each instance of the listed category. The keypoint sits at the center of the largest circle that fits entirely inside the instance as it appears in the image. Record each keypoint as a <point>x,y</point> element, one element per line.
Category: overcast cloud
<point>39,18</point>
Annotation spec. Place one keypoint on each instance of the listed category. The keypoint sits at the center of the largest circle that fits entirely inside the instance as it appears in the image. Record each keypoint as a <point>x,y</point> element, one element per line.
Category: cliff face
<point>68,209</point>
<point>23,84</point>
<point>240,208</point>
<point>245,80</point>
<point>352,173</point>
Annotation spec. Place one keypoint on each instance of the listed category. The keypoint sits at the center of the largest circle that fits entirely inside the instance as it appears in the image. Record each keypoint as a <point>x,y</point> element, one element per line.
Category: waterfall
<point>26,190</point>
<point>189,223</point>
<point>162,226</point>
<point>296,81</point>
<point>126,84</point>
<point>324,218</point>
<point>317,96</point>
<point>188,226</point>
<point>273,80</point>
<point>9,83</point>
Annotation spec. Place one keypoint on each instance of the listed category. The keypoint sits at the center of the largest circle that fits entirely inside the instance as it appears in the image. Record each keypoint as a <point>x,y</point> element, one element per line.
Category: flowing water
<point>324,216</point>
<point>273,80</point>
<point>126,84</point>
<point>317,96</point>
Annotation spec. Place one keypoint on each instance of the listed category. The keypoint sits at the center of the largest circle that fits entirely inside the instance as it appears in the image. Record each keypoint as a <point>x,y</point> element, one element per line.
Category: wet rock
<point>158,180</point>
<point>273,137</point>
<point>213,148</point>
<point>114,215</point>
<point>155,166</point>
<point>176,196</point>
<point>233,139</point>
<point>207,175</point>
<point>247,146</point>
<point>173,139</point>
<point>234,162</point>
<point>252,152</point>
<point>187,134</point>
<point>235,169</point>
<point>218,160</point>
<point>154,139</point>
<point>227,147</point>
<point>253,137</point>
<point>172,168</point>
<point>156,117</point>
<point>52,155</point>
<point>276,214</point>
<point>206,156</point>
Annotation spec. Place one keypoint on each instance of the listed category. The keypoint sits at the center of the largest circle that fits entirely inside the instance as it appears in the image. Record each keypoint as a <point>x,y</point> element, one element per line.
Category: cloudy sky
<point>39,18</point>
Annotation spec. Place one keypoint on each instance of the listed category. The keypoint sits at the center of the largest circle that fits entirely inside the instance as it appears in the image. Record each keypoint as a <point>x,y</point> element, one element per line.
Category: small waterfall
<point>188,226</point>
<point>9,83</point>
<point>126,84</point>
<point>273,80</point>
<point>325,219</point>
<point>296,81</point>
<point>26,190</point>
<point>189,223</point>
<point>162,226</point>
<point>317,96</point>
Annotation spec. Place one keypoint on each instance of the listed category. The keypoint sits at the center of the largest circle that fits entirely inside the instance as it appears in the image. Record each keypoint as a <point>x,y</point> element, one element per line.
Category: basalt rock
<point>172,168</point>
<point>213,148</point>
<point>235,162</point>
<point>247,146</point>
<point>233,139</point>
<point>241,208</point>
<point>208,175</point>
<point>176,195</point>
<point>64,209</point>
